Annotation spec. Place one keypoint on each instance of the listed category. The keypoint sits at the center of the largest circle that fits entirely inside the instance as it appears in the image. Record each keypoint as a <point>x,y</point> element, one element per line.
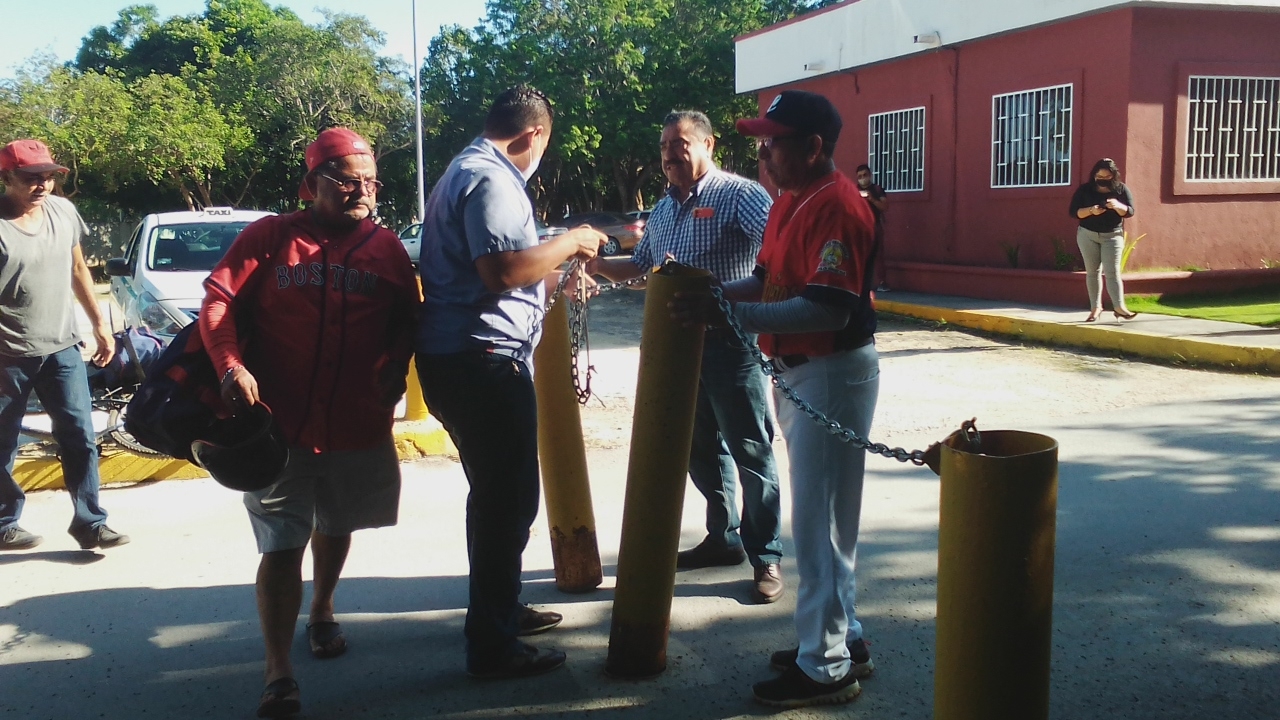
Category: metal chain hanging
<point>915,457</point>
<point>578,340</point>
<point>582,387</point>
<point>578,336</point>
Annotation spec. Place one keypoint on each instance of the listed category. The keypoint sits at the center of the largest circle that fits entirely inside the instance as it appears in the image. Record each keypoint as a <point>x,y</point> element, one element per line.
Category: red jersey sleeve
<point>837,247</point>
<point>228,278</point>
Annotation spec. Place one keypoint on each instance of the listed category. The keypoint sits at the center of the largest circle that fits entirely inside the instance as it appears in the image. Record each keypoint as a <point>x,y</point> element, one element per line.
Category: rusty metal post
<point>563,456</point>
<point>661,436</point>
<point>996,534</point>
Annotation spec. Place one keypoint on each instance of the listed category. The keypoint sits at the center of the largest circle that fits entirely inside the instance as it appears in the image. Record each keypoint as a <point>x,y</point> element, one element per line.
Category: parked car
<point>624,232</point>
<point>411,237</point>
<point>159,283</point>
<point>640,215</point>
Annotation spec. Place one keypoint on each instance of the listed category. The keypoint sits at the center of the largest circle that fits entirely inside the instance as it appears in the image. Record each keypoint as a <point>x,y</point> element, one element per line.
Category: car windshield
<point>191,246</point>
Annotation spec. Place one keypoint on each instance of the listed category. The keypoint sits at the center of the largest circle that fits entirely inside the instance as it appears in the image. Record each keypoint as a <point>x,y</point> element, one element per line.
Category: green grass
<point>1254,307</point>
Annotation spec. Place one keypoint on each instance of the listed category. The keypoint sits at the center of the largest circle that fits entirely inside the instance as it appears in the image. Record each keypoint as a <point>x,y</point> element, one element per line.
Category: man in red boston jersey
<point>809,299</point>
<point>312,314</point>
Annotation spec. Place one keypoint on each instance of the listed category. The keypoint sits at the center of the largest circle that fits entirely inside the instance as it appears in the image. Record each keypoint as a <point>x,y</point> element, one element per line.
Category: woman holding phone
<point>1100,205</point>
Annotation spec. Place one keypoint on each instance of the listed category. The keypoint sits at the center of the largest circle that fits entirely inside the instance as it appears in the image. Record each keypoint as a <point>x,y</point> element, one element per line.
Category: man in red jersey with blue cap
<point>809,298</point>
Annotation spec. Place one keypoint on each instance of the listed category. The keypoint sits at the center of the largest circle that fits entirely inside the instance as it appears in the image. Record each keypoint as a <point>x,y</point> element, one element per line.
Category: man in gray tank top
<point>41,270</point>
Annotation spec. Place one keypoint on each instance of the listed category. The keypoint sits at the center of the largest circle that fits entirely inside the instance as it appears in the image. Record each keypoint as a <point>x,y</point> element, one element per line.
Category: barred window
<point>1233,129</point>
<point>896,149</point>
<point>1031,137</point>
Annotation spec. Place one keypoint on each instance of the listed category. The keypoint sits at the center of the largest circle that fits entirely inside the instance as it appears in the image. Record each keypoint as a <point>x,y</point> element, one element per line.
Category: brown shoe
<point>768,583</point>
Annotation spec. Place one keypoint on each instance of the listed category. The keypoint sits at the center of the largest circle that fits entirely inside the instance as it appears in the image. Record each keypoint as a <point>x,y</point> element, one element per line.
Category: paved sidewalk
<point>1234,346</point>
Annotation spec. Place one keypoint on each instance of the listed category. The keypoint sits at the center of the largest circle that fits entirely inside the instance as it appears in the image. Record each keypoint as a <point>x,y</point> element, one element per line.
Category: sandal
<point>326,639</point>
<point>280,699</point>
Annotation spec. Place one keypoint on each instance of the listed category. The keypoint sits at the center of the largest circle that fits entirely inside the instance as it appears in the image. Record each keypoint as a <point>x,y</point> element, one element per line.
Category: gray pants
<point>1101,252</point>
<point>826,502</point>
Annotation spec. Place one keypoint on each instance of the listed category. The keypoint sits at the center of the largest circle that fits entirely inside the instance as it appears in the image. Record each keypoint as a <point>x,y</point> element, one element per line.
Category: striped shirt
<point>719,227</point>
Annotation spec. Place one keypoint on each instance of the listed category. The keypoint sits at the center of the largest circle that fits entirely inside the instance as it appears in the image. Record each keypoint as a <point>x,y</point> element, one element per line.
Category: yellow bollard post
<point>563,455</point>
<point>996,533</point>
<point>661,435</point>
<point>415,407</point>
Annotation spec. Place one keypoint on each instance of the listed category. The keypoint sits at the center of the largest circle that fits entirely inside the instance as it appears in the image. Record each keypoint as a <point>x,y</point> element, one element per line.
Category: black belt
<point>783,363</point>
<point>787,362</point>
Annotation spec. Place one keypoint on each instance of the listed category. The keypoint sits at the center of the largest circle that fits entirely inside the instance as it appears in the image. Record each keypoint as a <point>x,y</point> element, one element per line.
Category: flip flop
<point>326,639</point>
<point>280,699</point>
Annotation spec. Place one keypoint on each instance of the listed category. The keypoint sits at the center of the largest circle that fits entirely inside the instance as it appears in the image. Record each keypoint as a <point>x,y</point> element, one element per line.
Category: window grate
<point>1031,137</point>
<point>896,149</point>
<point>1233,129</point>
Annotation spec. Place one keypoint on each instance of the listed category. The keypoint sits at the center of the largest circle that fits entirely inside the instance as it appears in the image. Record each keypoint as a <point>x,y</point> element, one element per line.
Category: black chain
<point>578,335</point>
<point>915,457</point>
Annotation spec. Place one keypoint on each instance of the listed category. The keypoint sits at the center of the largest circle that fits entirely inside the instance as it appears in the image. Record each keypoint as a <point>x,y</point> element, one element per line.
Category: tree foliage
<point>216,108</point>
<point>613,69</point>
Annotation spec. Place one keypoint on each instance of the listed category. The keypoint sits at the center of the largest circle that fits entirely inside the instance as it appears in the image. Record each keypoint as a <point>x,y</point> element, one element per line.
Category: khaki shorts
<point>333,493</point>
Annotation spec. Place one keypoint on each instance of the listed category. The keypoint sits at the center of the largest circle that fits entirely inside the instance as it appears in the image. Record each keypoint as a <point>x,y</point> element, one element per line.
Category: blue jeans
<point>487,404</point>
<point>732,429</point>
<point>59,380</point>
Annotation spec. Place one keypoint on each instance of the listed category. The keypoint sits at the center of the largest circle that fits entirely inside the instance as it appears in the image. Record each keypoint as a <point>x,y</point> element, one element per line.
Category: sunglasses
<point>350,185</point>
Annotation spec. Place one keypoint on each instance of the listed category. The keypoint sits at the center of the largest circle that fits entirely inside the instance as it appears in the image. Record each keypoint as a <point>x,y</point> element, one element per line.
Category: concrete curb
<point>414,441</point>
<point>1100,337</point>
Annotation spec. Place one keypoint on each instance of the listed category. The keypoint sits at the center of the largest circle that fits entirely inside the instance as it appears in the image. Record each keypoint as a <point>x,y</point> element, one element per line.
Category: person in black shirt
<point>1101,204</point>
<point>878,200</point>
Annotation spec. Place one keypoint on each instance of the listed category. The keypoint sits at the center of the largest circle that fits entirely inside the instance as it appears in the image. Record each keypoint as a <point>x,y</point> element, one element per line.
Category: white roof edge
<point>864,32</point>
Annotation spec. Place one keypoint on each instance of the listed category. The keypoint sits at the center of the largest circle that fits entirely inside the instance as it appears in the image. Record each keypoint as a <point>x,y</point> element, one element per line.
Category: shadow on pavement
<point>1167,599</point>
<point>63,557</point>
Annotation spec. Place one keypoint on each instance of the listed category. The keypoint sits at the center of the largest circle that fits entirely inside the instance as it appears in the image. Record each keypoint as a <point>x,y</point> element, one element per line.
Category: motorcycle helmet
<point>245,452</point>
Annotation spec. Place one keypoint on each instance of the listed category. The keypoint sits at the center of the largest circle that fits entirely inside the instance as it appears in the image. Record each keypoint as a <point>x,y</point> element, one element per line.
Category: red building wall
<point>1207,231</point>
<point>1123,67</point>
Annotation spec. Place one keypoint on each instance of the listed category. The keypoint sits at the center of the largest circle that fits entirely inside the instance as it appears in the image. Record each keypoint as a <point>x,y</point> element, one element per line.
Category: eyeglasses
<point>767,143</point>
<point>350,185</point>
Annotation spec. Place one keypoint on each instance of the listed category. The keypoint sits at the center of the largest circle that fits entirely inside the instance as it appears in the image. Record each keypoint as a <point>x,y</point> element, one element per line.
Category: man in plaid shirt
<point>715,220</point>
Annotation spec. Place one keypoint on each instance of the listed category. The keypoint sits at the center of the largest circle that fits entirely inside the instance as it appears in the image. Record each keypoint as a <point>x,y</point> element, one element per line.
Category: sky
<point>58,26</point>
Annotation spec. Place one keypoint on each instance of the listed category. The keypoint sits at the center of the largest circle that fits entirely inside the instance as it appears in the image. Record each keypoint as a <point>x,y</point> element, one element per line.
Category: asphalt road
<point>1167,593</point>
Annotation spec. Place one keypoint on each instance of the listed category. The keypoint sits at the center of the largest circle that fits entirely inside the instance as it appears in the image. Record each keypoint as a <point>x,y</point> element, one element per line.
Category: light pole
<point>417,114</point>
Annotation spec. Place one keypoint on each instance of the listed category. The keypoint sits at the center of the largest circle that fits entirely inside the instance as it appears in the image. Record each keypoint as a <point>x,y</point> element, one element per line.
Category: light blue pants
<point>1101,253</point>
<point>826,501</point>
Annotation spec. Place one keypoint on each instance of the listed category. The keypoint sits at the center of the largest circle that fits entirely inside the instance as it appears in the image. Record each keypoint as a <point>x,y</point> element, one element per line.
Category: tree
<point>613,69</point>
<point>182,138</point>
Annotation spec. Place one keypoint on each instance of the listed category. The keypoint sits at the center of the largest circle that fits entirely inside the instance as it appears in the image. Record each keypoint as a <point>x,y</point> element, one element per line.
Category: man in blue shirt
<point>483,281</point>
<point>714,220</point>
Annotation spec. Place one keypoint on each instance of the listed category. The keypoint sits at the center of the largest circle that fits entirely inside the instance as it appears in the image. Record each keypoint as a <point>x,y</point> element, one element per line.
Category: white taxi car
<point>159,281</point>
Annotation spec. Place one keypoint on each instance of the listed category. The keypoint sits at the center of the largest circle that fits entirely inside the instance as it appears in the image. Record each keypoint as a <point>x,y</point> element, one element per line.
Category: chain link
<point>578,340</point>
<point>915,457</point>
<point>578,336</point>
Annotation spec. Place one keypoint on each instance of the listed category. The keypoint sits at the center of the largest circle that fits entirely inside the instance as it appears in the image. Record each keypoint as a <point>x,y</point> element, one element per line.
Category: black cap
<point>796,112</point>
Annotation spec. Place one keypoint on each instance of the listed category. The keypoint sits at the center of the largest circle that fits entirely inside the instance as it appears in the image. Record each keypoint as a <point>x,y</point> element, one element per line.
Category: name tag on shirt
<point>703,213</point>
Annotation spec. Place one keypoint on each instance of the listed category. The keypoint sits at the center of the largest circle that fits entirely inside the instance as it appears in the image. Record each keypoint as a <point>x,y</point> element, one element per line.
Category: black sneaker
<point>526,661</point>
<point>533,621</point>
<point>794,689</point>
<point>15,538</point>
<point>99,537</point>
<point>708,554</point>
<point>859,658</point>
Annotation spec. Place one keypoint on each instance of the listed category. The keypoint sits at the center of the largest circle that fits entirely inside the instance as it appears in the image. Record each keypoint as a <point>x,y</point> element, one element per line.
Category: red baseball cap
<point>332,143</point>
<point>29,156</point>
